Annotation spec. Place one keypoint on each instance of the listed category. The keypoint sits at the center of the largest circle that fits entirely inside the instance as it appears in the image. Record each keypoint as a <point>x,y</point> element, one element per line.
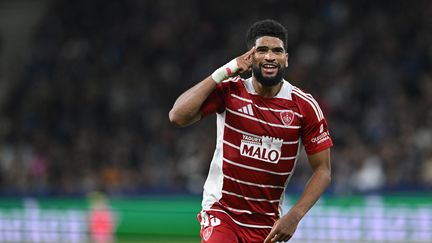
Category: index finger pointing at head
<point>249,53</point>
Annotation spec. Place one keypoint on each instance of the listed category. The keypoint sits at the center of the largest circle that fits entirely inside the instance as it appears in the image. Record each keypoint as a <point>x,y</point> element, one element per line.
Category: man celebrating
<point>262,124</point>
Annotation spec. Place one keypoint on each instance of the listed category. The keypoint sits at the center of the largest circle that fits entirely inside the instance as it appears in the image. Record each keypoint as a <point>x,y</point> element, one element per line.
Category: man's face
<point>269,60</point>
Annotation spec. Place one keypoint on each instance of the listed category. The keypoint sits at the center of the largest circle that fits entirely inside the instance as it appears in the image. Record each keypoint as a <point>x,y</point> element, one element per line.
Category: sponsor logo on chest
<point>265,148</point>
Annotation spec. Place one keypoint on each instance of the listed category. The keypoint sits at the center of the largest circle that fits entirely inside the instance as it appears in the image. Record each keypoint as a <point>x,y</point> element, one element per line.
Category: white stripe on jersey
<point>251,134</point>
<point>241,98</point>
<point>311,101</point>
<point>239,210</point>
<point>288,158</point>
<point>264,108</point>
<point>253,184</point>
<point>254,168</point>
<point>250,198</point>
<point>247,211</point>
<point>242,224</point>
<point>231,145</point>
<point>238,148</point>
<point>261,121</point>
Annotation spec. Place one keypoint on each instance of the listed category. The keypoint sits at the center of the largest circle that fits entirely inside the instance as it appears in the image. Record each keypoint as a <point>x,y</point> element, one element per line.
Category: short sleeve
<point>214,102</point>
<point>315,133</point>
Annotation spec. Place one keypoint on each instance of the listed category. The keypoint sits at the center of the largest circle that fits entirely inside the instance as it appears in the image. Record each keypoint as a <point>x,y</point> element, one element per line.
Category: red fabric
<point>229,232</point>
<point>252,182</point>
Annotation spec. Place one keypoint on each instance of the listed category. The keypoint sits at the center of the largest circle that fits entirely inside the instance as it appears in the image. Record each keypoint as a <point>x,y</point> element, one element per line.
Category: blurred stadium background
<point>87,153</point>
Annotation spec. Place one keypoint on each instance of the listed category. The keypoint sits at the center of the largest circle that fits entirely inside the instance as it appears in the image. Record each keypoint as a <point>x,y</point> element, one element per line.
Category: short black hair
<point>267,27</point>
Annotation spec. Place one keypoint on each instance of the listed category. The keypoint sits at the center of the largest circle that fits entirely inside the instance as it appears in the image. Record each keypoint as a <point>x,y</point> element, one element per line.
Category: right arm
<point>186,109</point>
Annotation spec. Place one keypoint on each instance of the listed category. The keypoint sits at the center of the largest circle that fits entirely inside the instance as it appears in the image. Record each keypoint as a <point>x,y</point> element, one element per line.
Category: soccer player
<point>262,124</point>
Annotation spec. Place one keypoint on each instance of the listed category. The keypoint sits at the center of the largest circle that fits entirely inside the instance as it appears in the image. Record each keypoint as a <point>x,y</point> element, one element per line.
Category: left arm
<point>285,227</point>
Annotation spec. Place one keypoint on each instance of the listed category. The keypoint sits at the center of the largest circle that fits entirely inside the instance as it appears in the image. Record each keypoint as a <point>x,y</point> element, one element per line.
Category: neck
<point>266,91</point>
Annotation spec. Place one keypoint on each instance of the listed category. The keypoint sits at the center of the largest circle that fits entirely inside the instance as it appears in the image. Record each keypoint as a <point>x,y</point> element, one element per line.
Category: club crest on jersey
<point>287,117</point>
<point>267,149</point>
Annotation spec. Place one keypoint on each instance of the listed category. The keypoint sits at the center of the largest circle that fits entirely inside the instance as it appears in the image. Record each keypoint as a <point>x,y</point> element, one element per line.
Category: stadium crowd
<point>90,112</point>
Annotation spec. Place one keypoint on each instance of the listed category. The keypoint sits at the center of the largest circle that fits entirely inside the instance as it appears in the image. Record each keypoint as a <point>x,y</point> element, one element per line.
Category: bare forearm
<point>186,109</point>
<point>285,227</point>
<point>314,189</point>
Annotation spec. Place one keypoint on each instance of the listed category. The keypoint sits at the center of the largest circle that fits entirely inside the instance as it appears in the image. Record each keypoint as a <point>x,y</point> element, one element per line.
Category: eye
<point>278,50</point>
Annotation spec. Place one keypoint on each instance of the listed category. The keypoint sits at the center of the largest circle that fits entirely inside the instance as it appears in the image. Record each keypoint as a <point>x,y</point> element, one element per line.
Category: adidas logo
<point>247,109</point>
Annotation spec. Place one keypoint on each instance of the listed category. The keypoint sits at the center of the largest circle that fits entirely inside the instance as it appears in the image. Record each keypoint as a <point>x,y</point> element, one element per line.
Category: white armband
<point>225,71</point>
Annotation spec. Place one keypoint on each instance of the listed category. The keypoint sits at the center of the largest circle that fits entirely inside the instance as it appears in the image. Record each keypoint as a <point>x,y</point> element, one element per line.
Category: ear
<point>286,61</point>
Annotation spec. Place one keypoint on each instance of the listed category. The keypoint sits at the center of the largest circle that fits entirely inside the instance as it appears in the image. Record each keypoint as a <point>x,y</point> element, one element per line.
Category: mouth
<point>269,68</point>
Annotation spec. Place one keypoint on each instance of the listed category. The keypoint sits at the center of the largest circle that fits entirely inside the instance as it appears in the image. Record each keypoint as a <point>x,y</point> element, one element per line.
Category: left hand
<point>283,229</point>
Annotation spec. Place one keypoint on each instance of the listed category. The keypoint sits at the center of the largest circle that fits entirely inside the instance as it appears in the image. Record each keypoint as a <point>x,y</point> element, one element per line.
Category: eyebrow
<point>278,49</point>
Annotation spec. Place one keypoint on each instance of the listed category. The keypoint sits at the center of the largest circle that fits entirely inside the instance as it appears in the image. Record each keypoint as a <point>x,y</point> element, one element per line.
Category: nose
<point>269,56</point>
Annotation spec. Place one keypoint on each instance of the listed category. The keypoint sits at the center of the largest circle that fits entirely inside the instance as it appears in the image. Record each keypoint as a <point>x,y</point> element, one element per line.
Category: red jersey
<point>258,143</point>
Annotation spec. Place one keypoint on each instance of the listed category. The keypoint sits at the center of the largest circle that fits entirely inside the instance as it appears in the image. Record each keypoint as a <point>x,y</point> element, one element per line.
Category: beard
<point>268,81</point>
